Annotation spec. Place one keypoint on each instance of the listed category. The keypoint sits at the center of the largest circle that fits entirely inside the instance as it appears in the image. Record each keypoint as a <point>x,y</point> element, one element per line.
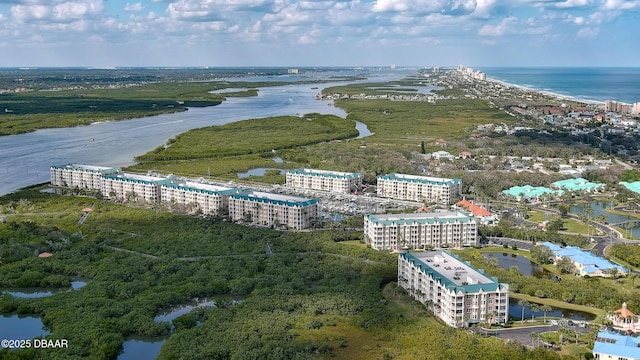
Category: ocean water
<point>591,84</point>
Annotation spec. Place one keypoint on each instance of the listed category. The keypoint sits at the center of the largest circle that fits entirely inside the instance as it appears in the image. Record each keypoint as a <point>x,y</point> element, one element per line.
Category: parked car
<point>554,322</point>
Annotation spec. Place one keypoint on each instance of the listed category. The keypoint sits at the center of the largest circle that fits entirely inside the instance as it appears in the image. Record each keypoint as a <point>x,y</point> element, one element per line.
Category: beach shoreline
<point>546,92</point>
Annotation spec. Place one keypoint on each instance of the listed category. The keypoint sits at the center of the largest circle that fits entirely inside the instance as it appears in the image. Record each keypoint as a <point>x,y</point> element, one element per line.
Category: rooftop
<point>417,178</point>
<point>270,197</point>
<point>633,186</point>
<point>475,209</point>
<point>613,343</point>
<point>577,184</point>
<point>455,274</point>
<point>420,218</point>
<point>86,167</point>
<point>529,191</point>
<point>325,173</point>
<point>138,177</point>
<point>189,185</point>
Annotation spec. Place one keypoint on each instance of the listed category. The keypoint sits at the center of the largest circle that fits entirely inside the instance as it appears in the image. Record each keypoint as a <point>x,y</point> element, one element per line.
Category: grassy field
<point>570,225</point>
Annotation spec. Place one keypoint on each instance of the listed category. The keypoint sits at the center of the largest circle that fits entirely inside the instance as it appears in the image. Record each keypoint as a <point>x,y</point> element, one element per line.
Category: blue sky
<point>319,33</point>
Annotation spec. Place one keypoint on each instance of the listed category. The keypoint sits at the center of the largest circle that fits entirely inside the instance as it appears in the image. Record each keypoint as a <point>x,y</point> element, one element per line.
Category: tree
<point>565,265</point>
<point>633,277</point>
<point>541,254</point>
<point>523,303</point>
<point>555,225</point>
<point>613,272</point>
<point>563,209</point>
<point>545,309</point>
<point>534,307</point>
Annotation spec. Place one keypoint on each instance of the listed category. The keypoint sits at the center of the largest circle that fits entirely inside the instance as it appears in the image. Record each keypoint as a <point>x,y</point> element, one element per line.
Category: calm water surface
<point>25,159</point>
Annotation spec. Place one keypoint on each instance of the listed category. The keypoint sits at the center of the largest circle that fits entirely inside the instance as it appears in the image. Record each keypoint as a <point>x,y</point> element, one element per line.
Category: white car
<point>554,322</point>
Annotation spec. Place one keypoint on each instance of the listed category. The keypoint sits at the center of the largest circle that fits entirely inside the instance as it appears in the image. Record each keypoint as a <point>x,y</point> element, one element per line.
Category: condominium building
<point>336,181</point>
<point>419,188</point>
<point>80,176</point>
<point>129,187</point>
<point>274,210</point>
<point>420,231</point>
<point>452,289</point>
<point>208,199</point>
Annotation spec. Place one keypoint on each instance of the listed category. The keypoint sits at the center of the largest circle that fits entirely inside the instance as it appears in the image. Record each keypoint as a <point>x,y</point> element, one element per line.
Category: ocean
<point>590,84</point>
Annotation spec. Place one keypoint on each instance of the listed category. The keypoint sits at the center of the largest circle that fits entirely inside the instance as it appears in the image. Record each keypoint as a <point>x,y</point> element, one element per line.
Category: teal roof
<point>202,190</point>
<point>88,168</point>
<point>577,184</point>
<point>139,179</point>
<point>324,173</point>
<point>634,186</point>
<point>275,199</point>
<point>419,218</point>
<point>420,179</point>
<point>529,191</point>
<point>448,283</point>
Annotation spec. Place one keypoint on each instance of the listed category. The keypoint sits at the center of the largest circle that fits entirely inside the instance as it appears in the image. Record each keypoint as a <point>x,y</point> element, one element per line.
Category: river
<point>25,159</point>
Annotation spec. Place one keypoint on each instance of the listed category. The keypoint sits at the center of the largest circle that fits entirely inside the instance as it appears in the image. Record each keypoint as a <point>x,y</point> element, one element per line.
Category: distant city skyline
<point>288,33</point>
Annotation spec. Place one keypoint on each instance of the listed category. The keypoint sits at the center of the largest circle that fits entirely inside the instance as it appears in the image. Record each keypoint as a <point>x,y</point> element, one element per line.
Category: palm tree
<point>523,303</point>
<point>545,308</point>
<point>633,277</point>
<point>534,307</point>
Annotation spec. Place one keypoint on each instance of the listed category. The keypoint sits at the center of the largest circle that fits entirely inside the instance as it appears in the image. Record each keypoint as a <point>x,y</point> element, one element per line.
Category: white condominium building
<point>337,181</point>
<point>80,176</point>
<point>130,187</point>
<point>420,231</point>
<point>452,289</point>
<point>419,188</point>
<point>208,199</point>
<point>266,209</point>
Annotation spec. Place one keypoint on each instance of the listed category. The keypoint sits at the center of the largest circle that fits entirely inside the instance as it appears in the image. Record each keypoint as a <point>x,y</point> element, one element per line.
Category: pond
<point>14,326</point>
<point>33,293</point>
<point>177,311</point>
<point>258,172</point>
<point>524,265</point>
<point>363,130</point>
<point>599,208</point>
<point>181,310</point>
<point>142,347</point>
<point>515,312</point>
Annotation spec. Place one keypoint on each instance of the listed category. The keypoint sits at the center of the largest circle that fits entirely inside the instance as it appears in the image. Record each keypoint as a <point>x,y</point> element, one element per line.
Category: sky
<point>299,33</point>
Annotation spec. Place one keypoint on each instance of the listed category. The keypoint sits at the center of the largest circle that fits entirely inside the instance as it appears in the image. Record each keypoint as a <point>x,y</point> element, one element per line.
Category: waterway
<point>524,265</point>
<point>515,313</point>
<point>32,293</point>
<point>22,327</point>
<point>25,159</point>
<point>599,208</point>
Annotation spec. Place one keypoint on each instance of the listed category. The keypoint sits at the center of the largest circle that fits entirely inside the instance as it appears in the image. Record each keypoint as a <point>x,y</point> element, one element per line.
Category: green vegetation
<point>29,111</point>
<point>253,136</point>
<point>595,293</point>
<point>395,122</point>
<point>629,253</point>
<point>313,298</point>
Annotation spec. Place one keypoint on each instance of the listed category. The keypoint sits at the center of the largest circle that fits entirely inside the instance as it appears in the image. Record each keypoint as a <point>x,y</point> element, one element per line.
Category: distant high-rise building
<point>436,70</point>
<point>393,66</point>
<point>636,108</point>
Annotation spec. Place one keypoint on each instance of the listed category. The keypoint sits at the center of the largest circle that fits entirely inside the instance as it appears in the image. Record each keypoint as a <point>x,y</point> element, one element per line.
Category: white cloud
<point>621,5</point>
<point>588,32</point>
<point>497,30</point>
<point>30,12</point>
<point>74,10</point>
<point>133,7</point>
<point>571,4</point>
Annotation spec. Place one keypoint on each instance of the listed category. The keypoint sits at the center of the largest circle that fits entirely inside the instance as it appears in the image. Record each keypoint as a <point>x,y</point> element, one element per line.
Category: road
<point>523,334</point>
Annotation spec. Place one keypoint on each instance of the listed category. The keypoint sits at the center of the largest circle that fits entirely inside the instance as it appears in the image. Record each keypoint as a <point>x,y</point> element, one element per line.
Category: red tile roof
<point>475,209</point>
